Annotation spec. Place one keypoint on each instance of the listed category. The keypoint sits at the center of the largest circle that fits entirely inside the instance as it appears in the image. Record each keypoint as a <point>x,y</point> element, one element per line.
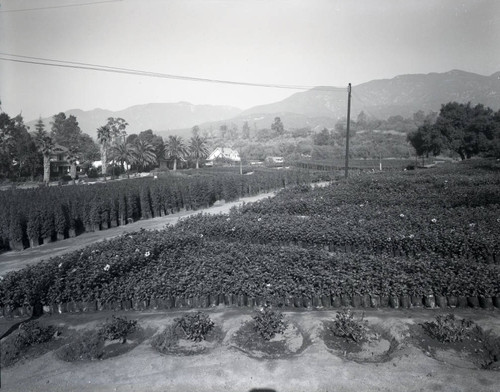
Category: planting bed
<point>30,217</point>
<point>440,251</point>
<point>234,363</point>
<point>424,243</point>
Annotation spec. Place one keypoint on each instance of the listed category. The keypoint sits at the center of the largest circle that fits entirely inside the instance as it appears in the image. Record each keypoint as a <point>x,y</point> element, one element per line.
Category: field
<point>421,242</point>
<point>30,217</point>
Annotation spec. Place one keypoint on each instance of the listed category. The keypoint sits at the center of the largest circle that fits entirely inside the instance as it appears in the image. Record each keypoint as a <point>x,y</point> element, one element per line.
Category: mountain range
<point>316,108</point>
<point>163,117</point>
<point>403,95</point>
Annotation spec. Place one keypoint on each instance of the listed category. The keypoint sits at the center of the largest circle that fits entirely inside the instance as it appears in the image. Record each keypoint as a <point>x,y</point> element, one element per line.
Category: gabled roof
<point>58,149</point>
<point>224,152</point>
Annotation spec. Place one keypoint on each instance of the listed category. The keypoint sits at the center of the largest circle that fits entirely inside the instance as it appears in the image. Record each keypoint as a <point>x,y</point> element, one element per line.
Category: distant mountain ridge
<point>155,116</point>
<point>402,95</point>
<point>315,108</point>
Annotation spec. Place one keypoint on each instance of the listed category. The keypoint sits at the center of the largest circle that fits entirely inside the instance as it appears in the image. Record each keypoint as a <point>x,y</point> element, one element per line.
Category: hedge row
<point>233,300</point>
<point>34,216</point>
<point>468,233</point>
<point>172,263</point>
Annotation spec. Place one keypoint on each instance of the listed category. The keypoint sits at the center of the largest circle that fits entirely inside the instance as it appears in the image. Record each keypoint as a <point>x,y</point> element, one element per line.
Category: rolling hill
<point>316,108</point>
<point>155,116</point>
<point>402,95</point>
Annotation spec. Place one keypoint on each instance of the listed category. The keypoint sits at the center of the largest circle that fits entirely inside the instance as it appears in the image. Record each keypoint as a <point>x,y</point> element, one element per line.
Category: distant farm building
<point>275,160</point>
<point>58,163</point>
<point>223,155</point>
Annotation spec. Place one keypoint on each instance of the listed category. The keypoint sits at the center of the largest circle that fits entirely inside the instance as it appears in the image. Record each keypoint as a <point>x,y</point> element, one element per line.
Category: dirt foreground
<point>228,368</point>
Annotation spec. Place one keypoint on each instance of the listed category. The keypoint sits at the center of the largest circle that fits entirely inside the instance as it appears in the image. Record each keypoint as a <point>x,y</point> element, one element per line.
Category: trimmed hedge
<point>30,217</point>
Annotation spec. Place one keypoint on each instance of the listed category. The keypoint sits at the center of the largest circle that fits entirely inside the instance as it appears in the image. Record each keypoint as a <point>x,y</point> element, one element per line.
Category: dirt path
<point>11,261</point>
<point>225,368</point>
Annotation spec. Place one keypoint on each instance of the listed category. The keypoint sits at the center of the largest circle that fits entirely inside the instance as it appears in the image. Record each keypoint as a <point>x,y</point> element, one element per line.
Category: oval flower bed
<point>268,335</point>
<point>193,333</point>
<point>350,336</point>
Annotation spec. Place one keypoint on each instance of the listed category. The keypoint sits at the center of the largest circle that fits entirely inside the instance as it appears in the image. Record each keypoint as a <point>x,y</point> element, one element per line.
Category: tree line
<point>463,129</point>
<point>25,154</point>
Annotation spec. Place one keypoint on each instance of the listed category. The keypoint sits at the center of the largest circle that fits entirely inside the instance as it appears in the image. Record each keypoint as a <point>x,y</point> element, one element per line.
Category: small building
<point>275,160</point>
<point>58,163</point>
<point>224,155</point>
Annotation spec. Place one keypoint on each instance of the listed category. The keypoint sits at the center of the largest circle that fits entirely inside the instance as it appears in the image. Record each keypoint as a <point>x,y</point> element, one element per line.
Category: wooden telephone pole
<point>347,131</point>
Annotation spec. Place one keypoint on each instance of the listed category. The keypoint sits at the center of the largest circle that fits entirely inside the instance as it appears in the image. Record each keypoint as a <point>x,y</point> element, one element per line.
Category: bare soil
<point>226,367</point>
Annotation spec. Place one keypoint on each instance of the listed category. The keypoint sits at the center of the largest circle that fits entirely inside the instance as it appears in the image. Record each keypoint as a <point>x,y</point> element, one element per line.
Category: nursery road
<point>15,260</point>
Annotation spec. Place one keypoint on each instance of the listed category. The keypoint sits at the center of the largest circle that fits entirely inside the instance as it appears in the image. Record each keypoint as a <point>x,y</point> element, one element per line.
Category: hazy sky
<point>306,43</point>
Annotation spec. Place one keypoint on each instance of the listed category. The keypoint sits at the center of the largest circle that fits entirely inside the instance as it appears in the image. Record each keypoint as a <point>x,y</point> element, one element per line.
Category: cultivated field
<point>424,243</point>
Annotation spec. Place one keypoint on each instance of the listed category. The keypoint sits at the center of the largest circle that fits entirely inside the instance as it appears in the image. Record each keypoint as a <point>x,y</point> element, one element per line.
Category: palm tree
<point>175,149</point>
<point>45,145</point>
<point>72,156</point>
<point>198,149</point>
<point>123,152</point>
<point>104,136</point>
<point>144,153</point>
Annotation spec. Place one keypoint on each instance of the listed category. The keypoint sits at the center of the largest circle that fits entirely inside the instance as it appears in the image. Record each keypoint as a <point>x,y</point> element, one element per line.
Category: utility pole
<point>347,131</point>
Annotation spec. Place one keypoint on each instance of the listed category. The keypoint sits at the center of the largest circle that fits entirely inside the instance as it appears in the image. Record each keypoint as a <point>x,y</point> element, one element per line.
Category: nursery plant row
<point>453,213</point>
<point>34,216</point>
<point>471,233</point>
<point>445,189</point>
<point>232,300</point>
<point>174,265</point>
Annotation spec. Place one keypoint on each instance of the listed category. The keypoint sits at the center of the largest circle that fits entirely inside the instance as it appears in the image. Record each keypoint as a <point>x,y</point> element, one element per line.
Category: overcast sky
<point>306,43</point>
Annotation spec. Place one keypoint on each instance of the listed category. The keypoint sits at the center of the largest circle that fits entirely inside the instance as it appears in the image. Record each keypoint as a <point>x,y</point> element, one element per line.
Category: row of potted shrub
<point>231,300</point>
<point>31,217</point>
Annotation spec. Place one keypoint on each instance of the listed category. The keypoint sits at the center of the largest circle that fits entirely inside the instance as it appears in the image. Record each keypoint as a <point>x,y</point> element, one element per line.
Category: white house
<point>223,153</point>
<point>275,160</point>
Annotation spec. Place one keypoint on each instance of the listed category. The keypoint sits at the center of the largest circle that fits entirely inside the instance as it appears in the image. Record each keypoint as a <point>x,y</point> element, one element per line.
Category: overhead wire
<point>129,71</point>
<point>59,6</point>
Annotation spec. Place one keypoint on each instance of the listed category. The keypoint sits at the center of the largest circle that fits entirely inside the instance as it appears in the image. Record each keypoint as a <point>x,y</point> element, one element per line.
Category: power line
<point>60,6</point>
<point>119,70</point>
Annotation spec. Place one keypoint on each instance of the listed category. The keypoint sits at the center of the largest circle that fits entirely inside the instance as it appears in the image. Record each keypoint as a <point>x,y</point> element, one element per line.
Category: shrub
<point>10,353</point>
<point>15,346</point>
<point>92,173</point>
<point>117,329</point>
<point>490,347</point>
<point>269,322</point>
<point>166,340</point>
<point>31,333</point>
<point>346,326</point>
<point>90,346</point>
<point>447,329</point>
<point>195,326</point>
